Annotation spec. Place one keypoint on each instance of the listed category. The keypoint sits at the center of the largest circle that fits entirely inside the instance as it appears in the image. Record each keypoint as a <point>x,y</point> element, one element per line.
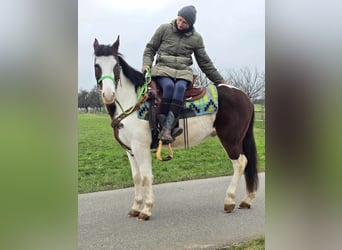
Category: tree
<point>82,99</point>
<point>201,79</point>
<point>89,99</point>
<point>93,99</point>
<point>250,82</point>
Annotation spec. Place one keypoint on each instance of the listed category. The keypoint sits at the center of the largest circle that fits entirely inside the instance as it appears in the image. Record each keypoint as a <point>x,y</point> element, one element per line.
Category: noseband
<point>107,77</point>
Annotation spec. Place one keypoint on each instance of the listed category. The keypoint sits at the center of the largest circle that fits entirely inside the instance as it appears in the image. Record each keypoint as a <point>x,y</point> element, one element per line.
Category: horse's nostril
<point>108,97</point>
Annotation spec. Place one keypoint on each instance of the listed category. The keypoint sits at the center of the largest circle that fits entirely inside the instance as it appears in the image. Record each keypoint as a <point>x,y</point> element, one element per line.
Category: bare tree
<point>201,79</point>
<point>251,82</point>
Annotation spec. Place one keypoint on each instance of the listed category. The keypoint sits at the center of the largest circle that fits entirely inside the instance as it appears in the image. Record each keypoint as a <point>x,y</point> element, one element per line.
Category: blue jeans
<point>173,90</point>
<point>173,95</point>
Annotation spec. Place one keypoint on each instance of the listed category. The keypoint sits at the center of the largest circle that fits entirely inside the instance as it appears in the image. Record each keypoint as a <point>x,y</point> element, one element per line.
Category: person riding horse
<point>174,43</point>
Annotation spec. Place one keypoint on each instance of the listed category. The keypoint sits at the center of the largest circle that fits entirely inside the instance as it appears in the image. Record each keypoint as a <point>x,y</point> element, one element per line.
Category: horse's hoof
<point>244,205</point>
<point>133,213</point>
<point>143,217</point>
<point>228,208</point>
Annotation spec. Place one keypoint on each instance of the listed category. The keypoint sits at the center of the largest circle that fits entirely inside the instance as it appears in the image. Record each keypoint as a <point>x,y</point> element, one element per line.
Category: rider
<point>174,43</point>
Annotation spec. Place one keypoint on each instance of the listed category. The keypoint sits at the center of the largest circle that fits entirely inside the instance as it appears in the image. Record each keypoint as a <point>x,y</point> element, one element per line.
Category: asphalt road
<point>186,215</point>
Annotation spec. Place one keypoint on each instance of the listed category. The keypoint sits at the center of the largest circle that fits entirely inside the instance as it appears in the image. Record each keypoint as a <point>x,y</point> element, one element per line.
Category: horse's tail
<point>249,149</point>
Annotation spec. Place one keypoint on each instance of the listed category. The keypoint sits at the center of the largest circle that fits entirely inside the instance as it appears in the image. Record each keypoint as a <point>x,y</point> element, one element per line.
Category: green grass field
<point>103,164</point>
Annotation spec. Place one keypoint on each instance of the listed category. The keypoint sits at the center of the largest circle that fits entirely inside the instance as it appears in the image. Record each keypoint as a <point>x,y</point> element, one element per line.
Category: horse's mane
<point>136,77</point>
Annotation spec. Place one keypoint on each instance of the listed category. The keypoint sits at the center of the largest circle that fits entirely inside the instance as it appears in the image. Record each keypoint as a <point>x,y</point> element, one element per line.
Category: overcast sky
<point>233,30</point>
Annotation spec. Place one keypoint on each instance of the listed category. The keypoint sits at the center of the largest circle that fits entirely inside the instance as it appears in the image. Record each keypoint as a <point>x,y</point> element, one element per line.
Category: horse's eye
<point>97,72</point>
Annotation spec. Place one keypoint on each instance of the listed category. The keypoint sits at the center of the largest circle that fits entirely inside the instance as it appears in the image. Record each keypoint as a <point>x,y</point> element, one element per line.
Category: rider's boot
<point>162,121</point>
<point>176,107</point>
<point>169,124</point>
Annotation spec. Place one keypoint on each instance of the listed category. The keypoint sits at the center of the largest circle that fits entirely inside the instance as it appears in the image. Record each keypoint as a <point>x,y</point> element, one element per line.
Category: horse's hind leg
<point>239,167</point>
<point>234,127</point>
<point>247,201</point>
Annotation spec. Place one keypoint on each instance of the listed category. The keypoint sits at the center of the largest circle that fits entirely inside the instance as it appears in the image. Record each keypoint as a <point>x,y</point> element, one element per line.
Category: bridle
<point>116,77</point>
<point>142,96</point>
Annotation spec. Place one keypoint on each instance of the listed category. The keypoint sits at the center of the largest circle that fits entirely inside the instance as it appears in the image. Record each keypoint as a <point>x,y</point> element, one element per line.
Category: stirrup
<point>159,149</point>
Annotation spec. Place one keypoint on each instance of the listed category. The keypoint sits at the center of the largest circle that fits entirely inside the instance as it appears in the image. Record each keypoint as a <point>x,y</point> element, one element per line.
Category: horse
<point>118,85</point>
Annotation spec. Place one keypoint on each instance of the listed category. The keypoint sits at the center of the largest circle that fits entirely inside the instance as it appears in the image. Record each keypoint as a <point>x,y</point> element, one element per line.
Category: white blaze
<point>107,64</point>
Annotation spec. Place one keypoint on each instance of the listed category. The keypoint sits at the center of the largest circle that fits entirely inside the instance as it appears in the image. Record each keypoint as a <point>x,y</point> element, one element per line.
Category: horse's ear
<point>96,44</point>
<point>115,45</point>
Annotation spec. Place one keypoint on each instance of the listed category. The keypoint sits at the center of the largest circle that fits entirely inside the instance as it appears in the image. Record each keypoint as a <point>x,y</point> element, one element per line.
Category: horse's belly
<point>199,129</point>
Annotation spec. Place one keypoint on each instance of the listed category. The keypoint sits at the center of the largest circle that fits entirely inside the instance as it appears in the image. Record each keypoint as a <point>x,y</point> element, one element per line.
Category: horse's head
<point>107,69</point>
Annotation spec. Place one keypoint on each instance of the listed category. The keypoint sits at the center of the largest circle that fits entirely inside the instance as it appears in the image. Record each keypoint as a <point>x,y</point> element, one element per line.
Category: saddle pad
<point>208,104</point>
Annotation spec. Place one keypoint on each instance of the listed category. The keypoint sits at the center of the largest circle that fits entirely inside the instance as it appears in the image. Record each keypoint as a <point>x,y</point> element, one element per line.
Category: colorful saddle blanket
<point>208,104</point>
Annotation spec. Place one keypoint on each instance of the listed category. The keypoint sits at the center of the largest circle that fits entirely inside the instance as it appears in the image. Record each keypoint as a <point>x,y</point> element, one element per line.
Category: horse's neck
<point>125,93</point>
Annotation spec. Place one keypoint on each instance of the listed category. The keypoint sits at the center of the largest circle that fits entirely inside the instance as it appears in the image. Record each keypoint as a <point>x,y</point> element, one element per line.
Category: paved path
<point>186,215</point>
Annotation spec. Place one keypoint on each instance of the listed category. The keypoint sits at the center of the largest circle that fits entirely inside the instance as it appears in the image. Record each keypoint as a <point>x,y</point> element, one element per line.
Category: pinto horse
<point>232,123</point>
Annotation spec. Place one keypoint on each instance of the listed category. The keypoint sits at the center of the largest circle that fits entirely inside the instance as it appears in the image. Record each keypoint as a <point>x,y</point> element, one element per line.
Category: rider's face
<point>182,24</point>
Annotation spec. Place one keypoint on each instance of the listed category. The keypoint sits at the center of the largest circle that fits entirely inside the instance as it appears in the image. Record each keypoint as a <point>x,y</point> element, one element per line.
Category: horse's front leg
<point>141,164</point>
<point>144,160</point>
<point>239,167</point>
<point>138,189</point>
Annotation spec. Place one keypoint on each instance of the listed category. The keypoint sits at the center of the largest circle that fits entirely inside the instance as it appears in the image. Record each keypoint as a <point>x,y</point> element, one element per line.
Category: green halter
<point>107,77</point>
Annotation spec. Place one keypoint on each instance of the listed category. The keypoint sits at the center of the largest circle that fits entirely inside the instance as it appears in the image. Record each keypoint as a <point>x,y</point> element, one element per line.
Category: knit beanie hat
<point>189,14</point>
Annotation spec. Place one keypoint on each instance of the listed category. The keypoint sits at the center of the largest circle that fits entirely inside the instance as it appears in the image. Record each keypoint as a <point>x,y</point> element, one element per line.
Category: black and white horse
<point>233,124</point>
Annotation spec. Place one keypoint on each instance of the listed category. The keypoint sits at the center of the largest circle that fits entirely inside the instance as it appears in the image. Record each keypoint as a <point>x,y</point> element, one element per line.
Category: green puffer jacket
<point>174,50</point>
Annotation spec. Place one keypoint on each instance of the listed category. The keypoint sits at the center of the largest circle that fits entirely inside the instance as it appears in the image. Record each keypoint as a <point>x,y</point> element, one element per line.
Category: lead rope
<point>141,98</point>
<point>141,94</point>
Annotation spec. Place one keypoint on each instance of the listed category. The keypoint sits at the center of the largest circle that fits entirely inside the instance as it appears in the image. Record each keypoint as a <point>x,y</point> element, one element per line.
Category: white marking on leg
<point>143,158</point>
<point>239,167</point>
<point>148,193</point>
<point>137,181</point>
<point>249,198</point>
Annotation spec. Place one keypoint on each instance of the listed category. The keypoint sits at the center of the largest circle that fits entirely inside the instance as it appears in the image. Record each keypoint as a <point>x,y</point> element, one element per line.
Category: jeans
<point>173,90</point>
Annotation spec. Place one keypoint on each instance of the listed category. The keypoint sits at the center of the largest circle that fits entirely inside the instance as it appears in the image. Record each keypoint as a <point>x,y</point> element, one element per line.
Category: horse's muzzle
<point>108,98</point>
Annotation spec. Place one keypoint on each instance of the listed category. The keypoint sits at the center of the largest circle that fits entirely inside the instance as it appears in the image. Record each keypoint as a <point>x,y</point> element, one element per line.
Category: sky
<point>233,31</point>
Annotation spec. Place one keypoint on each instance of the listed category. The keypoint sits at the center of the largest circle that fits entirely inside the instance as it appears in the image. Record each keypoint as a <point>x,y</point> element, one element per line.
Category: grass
<point>255,244</point>
<point>103,164</point>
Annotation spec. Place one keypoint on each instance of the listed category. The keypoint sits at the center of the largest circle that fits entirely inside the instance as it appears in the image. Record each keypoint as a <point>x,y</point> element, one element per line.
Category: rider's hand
<point>143,69</point>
